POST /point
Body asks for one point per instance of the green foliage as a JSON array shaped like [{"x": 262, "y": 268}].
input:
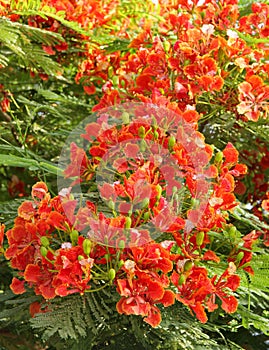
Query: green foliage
[
  {"x": 93, "y": 321},
  {"x": 19, "y": 44},
  {"x": 47, "y": 111}
]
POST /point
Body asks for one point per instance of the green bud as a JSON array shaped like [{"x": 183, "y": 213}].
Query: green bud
[
  {"x": 44, "y": 241},
  {"x": 121, "y": 244},
  {"x": 111, "y": 204},
  {"x": 80, "y": 257},
  {"x": 159, "y": 190},
  {"x": 232, "y": 231},
  {"x": 143, "y": 146},
  {"x": 181, "y": 280},
  {"x": 218, "y": 157},
  {"x": 239, "y": 256},
  {"x": 86, "y": 245},
  {"x": 110, "y": 71},
  {"x": 145, "y": 203},
  {"x": 43, "y": 251},
  {"x": 171, "y": 142},
  {"x": 187, "y": 266},
  {"x": 156, "y": 134},
  {"x": 74, "y": 236},
  {"x": 120, "y": 263},
  {"x": 200, "y": 238},
  {"x": 166, "y": 46},
  {"x": 107, "y": 257},
  {"x": 115, "y": 80},
  {"x": 125, "y": 118},
  {"x": 141, "y": 132},
  {"x": 128, "y": 222},
  {"x": 111, "y": 274},
  {"x": 146, "y": 215}
]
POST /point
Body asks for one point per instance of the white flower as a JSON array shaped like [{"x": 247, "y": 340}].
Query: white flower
[
  {"x": 232, "y": 34},
  {"x": 66, "y": 245},
  {"x": 208, "y": 29}
]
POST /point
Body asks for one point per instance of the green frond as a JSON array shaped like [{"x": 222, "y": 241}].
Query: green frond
[
  {"x": 70, "y": 318},
  {"x": 35, "y": 8},
  {"x": 19, "y": 46}
]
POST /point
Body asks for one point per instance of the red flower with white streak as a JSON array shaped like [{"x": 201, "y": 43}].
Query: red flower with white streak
[
  {"x": 139, "y": 297},
  {"x": 254, "y": 97}
]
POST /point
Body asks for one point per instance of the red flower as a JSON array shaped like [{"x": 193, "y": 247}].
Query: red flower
[
  {"x": 39, "y": 191},
  {"x": 73, "y": 274},
  {"x": 249, "y": 240},
  {"x": 80, "y": 165},
  {"x": 194, "y": 291},
  {"x": 227, "y": 281},
  {"x": 254, "y": 95},
  {"x": 139, "y": 296},
  {"x": 152, "y": 257}
]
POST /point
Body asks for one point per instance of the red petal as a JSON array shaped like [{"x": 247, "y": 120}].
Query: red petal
[
  {"x": 90, "y": 90},
  {"x": 154, "y": 317},
  {"x": 168, "y": 298},
  {"x": 229, "y": 304},
  {"x": 155, "y": 290},
  {"x": 35, "y": 308},
  {"x": 233, "y": 282},
  {"x": 210, "y": 255},
  {"x": 17, "y": 286},
  {"x": 200, "y": 312},
  {"x": 2, "y": 231},
  {"x": 32, "y": 273},
  {"x": 47, "y": 291},
  {"x": 231, "y": 154}
]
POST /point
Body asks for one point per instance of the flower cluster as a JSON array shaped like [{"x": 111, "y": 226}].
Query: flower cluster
[
  {"x": 168, "y": 193},
  {"x": 60, "y": 246}
]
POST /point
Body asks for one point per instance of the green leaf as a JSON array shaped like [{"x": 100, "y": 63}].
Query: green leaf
[{"x": 15, "y": 161}]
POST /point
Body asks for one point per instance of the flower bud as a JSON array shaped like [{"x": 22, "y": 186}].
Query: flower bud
[
  {"x": 125, "y": 118},
  {"x": 232, "y": 231},
  {"x": 181, "y": 280},
  {"x": 218, "y": 157},
  {"x": 239, "y": 256},
  {"x": 86, "y": 245},
  {"x": 110, "y": 71},
  {"x": 111, "y": 274},
  {"x": 44, "y": 241},
  {"x": 120, "y": 263},
  {"x": 146, "y": 215},
  {"x": 187, "y": 266},
  {"x": 171, "y": 142},
  {"x": 166, "y": 46},
  {"x": 121, "y": 244},
  {"x": 141, "y": 132},
  {"x": 74, "y": 236},
  {"x": 145, "y": 203},
  {"x": 143, "y": 146},
  {"x": 128, "y": 222},
  {"x": 200, "y": 238},
  {"x": 159, "y": 190},
  {"x": 115, "y": 80},
  {"x": 111, "y": 204},
  {"x": 43, "y": 251},
  {"x": 80, "y": 257}
]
